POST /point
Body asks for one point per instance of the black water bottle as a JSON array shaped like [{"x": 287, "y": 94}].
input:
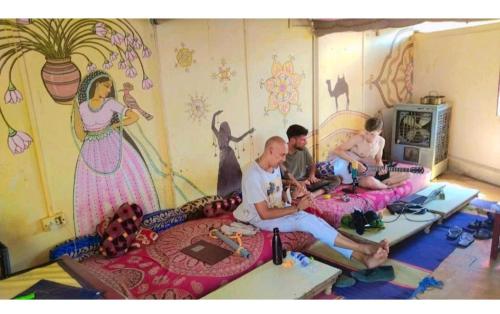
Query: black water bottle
[{"x": 277, "y": 248}]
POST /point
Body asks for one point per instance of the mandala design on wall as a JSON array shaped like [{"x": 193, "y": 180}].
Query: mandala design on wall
[
  {"x": 197, "y": 108},
  {"x": 395, "y": 79},
  {"x": 184, "y": 57},
  {"x": 224, "y": 75},
  {"x": 282, "y": 87}
]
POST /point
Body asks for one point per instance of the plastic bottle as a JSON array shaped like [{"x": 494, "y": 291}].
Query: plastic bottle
[
  {"x": 301, "y": 258},
  {"x": 277, "y": 248}
]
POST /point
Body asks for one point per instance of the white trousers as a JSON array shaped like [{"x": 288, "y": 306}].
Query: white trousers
[{"x": 305, "y": 222}]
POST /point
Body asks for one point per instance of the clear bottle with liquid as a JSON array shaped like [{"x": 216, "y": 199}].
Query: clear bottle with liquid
[{"x": 300, "y": 258}]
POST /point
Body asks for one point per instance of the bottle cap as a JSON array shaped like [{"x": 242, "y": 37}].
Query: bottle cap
[{"x": 276, "y": 230}]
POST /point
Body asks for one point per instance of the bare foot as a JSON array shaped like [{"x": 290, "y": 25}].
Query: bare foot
[
  {"x": 372, "y": 249},
  {"x": 384, "y": 244},
  {"x": 377, "y": 259}
]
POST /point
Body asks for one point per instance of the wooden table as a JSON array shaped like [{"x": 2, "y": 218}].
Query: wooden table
[
  {"x": 397, "y": 228},
  {"x": 270, "y": 281}
]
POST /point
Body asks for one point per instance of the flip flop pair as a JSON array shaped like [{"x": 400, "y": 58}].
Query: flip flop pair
[
  {"x": 344, "y": 281},
  {"x": 465, "y": 239},
  {"x": 381, "y": 273},
  {"x": 454, "y": 232},
  {"x": 483, "y": 234}
]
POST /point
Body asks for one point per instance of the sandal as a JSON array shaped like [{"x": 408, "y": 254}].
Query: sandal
[
  {"x": 344, "y": 281},
  {"x": 381, "y": 273},
  {"x": 476, "y": 224},
  {"x": 465, "y": 239},
  {"x": 482, "y": 234},
  {"x": 454, "y": 232}
]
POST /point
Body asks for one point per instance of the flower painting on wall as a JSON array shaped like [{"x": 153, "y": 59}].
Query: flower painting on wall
[
  {"x": 282, "y": 87},
  {"x": 114, "y": 41}
]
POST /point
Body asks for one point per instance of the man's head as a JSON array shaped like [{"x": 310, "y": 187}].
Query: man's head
[
  {"x": 374, "y": 124},
  {"x": 275, "y": 151},
  {"x": 373, "y": 127},
  {"x": 297, "y": 136}
]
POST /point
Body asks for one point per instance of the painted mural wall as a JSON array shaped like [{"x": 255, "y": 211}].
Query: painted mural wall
[
  {"x": 69, "y": 147},
  {"x": 228, "y": 85},
  {"x": 204, "y": 95},
  {"x": 464, "y": 66},
  {"x": 361, "y": 74}
]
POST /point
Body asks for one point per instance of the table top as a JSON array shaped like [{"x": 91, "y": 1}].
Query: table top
[
  {"x": 397, "y": 227},
  {"x": 455, "y": 198},
  {"x": 270, "y": 281}
]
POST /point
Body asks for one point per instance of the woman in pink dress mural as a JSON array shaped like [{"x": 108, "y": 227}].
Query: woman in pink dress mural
[{"x": 110, "y": 169}]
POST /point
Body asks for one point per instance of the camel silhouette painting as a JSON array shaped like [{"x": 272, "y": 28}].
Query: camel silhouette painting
[{"x": 340, "y": 88}]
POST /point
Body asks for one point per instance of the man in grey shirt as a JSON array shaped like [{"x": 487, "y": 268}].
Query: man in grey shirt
[{"x": 300, "y": 166}]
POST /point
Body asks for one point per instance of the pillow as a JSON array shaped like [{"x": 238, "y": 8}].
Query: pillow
[
  {"x": 144, "y": 237},
  {"x": 194, "y": 209},
  {"x": 120, "y": 231},
  {"x": 325, "y": 168},
  {"x": 79, "y": 248},
  {"x": 163, "y": 219},
  {"x": 221, "y": 207}
]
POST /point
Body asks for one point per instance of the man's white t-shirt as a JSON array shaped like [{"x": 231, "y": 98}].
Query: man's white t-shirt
[{"x": 258, "y": 185}]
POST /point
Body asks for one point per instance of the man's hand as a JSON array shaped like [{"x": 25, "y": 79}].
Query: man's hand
[
  {"x": 312, "y": 179},
  {"x": 300, "y": 191},
  {"x": 361, "y": 167},
  {"x": 383, "y": 168},
  {"x": 305, "y": 202}
]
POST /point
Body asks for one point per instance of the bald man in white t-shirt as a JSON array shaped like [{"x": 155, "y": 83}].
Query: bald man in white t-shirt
[{"x": 266, "y": 206}]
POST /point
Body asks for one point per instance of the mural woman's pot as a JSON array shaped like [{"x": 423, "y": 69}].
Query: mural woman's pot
[{"x": 61, "y": 78}]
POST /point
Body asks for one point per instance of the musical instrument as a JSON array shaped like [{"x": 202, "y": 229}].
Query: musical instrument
[{"x": 343, "y": 168}]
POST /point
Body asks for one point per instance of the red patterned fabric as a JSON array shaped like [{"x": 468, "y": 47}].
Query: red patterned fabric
[
  {"x": 161, "y": 271},
  {"x": 144, "y": 237},
  {"x": 332, "y": 209},
  {"x": 222, "y": 207},
  {"x": 121, "y": 231}
]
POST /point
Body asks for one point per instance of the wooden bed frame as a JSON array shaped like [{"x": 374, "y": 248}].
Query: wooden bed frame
[{"x": 87, "y": 279}]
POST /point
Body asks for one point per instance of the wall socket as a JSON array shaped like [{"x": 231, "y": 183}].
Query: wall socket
[{"x": 51, "y": 222}]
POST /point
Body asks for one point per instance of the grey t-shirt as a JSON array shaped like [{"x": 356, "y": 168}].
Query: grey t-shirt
[
  {"x": 298, "y": 164},
  {"x": 258, "y": 185}
]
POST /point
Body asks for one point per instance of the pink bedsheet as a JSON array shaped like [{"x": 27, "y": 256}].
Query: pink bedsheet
[
  {"x": 161, "y": 271},
  {"x": 334, "y": 208}
]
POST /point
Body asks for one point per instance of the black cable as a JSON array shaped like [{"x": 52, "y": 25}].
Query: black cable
[{"x": 426, "y": 220}]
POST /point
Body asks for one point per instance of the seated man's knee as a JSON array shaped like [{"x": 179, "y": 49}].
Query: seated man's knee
[{"x": 372, "y": 184}]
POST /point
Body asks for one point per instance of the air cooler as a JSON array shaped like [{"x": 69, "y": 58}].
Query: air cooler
[{"x": 420, "y": 136}]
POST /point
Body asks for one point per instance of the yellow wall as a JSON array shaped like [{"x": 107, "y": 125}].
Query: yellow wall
[
  {"x": 248, "y": 47},
  {"x": 178, "y": 146},
  {"x": 372, "y": 63},
  {"x": 40, "y": 181},
  {"x": 464, "y": 66}
]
